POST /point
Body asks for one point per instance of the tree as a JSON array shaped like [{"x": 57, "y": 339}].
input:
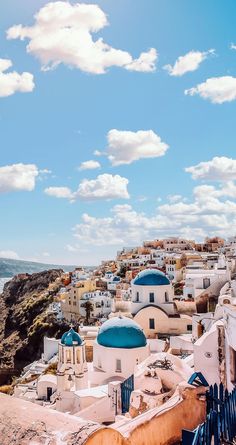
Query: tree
[
  {"x": 88, "y": 309},
  {"x": 122, "y": 271}
]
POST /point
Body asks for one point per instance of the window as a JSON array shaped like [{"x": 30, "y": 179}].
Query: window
[
  {"x": 137, "y": 296},
  {"x": 151, "y": 297},
  {"x": 206, "y": 283},
  {"x": 49, "y": 392},
  {"x": 189, "y": 327},
  {"x": 118, "y": 365},
  {"x": 166, "y": 297},
  {"x": 211, "y": 304},
  {"x": 151, "y": 323}
]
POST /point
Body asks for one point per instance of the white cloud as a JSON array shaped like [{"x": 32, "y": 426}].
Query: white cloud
[
  {"x": 9, "y": 254},
  {"x": 174, "y": 198},
  {"x": 228, "y": 189},
  {"x": 89, "y": 165},
  {"x": 18, "y": 177},
  {"x": 63, "y": 33},
  {"x": 189, "y": 62},
  {"x": 210, "y": 212},
  {"x": 105, "y": 186},
  {"x": 125, "y": 147},
  {"x": 146, "y": 62},
  {"x": 217, "y": 89},
  {"x": 98, "y": 153},
  {"x": 217, "y": 169},
  {"x": 60, "y": 192},
  {"x": 232, "y": 46},
  {"x": 123, "y": 226},
  {"x": 11, "y": 82}
]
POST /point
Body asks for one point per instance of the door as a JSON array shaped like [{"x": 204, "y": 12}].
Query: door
[{"x": 49, "y": 392}]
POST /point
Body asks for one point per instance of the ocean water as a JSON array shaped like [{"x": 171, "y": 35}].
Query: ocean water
[{"x": 2, "y": 282}]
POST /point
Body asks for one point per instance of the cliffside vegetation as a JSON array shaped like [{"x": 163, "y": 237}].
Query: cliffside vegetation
[{"x": 24, "y": 320}]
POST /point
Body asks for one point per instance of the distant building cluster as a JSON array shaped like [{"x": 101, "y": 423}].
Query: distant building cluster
[{"x": 142, "y": 326}]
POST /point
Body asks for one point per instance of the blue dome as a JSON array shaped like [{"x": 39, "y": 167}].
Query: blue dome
[
  {"x": 121, "y": 332},
  {"x": 151, "y": 277},
  {"x": 71, "y": 338}
]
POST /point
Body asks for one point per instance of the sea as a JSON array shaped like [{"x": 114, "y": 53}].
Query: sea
[{"x": 2, "y": 282}]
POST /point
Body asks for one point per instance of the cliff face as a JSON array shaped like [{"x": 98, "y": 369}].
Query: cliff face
[{"x": 24, "y": 320}]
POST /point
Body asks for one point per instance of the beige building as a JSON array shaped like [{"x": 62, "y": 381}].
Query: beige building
[
  {"x": 70, "y": 306},
  {"x": 157, "y": 323},
  {"x": 154, "y": 308}
]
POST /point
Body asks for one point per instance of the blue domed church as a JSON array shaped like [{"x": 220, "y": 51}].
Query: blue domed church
[
  {"x": 121, "y": 344},
  {"x": 153, "y": 306},
  {"x": 72, "y": 370}
]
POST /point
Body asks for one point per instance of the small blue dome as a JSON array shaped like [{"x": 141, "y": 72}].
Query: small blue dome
[
  {"x": 151, "y": 277},
  {"x": 71, "y": 338},
  {"x": 121, "y": 332}
]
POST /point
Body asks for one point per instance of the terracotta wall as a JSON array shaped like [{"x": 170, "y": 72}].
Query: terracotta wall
[{"x": 163, "y": 429}]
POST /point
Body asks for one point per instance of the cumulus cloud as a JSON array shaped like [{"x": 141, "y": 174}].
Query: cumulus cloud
[
  {"x": 17, "y": 177},
  {"x": 12, "y": 82},
  {"x": 232, "y": 46},
  {"x": 10, "y": 254},
  {"x": 124, "y": 225},
  {"x": 217, "y": 169},
  {"x": 217, "y": 89},
  {"x": 125, "y": 147},
  {"x": 63, "y": 33},
  {"x": 89, "y": 165},
  {"x": 174, "y": 198},
  {"x": 189, "y": 62},
  {"x": 212, "y": 211},
  {"x": 105, "y": 187},
  {"x": 60, "y": 192},
  {"x": 146, "y": 62}
]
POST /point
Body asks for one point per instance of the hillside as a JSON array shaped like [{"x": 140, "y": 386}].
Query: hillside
[
  {"x": 24, "y": 320},
  {"x": 10, "y": 268}
]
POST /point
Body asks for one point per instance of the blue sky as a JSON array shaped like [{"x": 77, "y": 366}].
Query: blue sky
[{"x": 55, "y": 118}]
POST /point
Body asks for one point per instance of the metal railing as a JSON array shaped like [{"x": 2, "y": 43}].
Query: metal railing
[{"x": 220, "y": 423}]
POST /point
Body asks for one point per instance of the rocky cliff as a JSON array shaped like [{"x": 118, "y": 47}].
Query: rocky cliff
[{"x": 24, "y": 320}]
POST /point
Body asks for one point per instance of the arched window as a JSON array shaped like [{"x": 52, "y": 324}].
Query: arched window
[
  {"x": 118, "y": 365},
  {"x": 68, "y": 356},
  {"x": 166, "y": 297}
]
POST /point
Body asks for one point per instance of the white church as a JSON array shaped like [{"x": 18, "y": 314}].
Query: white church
[
  {"x": 153, "y": 306},
  {"x": 120, "y": 347}
]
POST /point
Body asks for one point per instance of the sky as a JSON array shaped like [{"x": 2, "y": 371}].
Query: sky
[{"x": 117, "y": 125}]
